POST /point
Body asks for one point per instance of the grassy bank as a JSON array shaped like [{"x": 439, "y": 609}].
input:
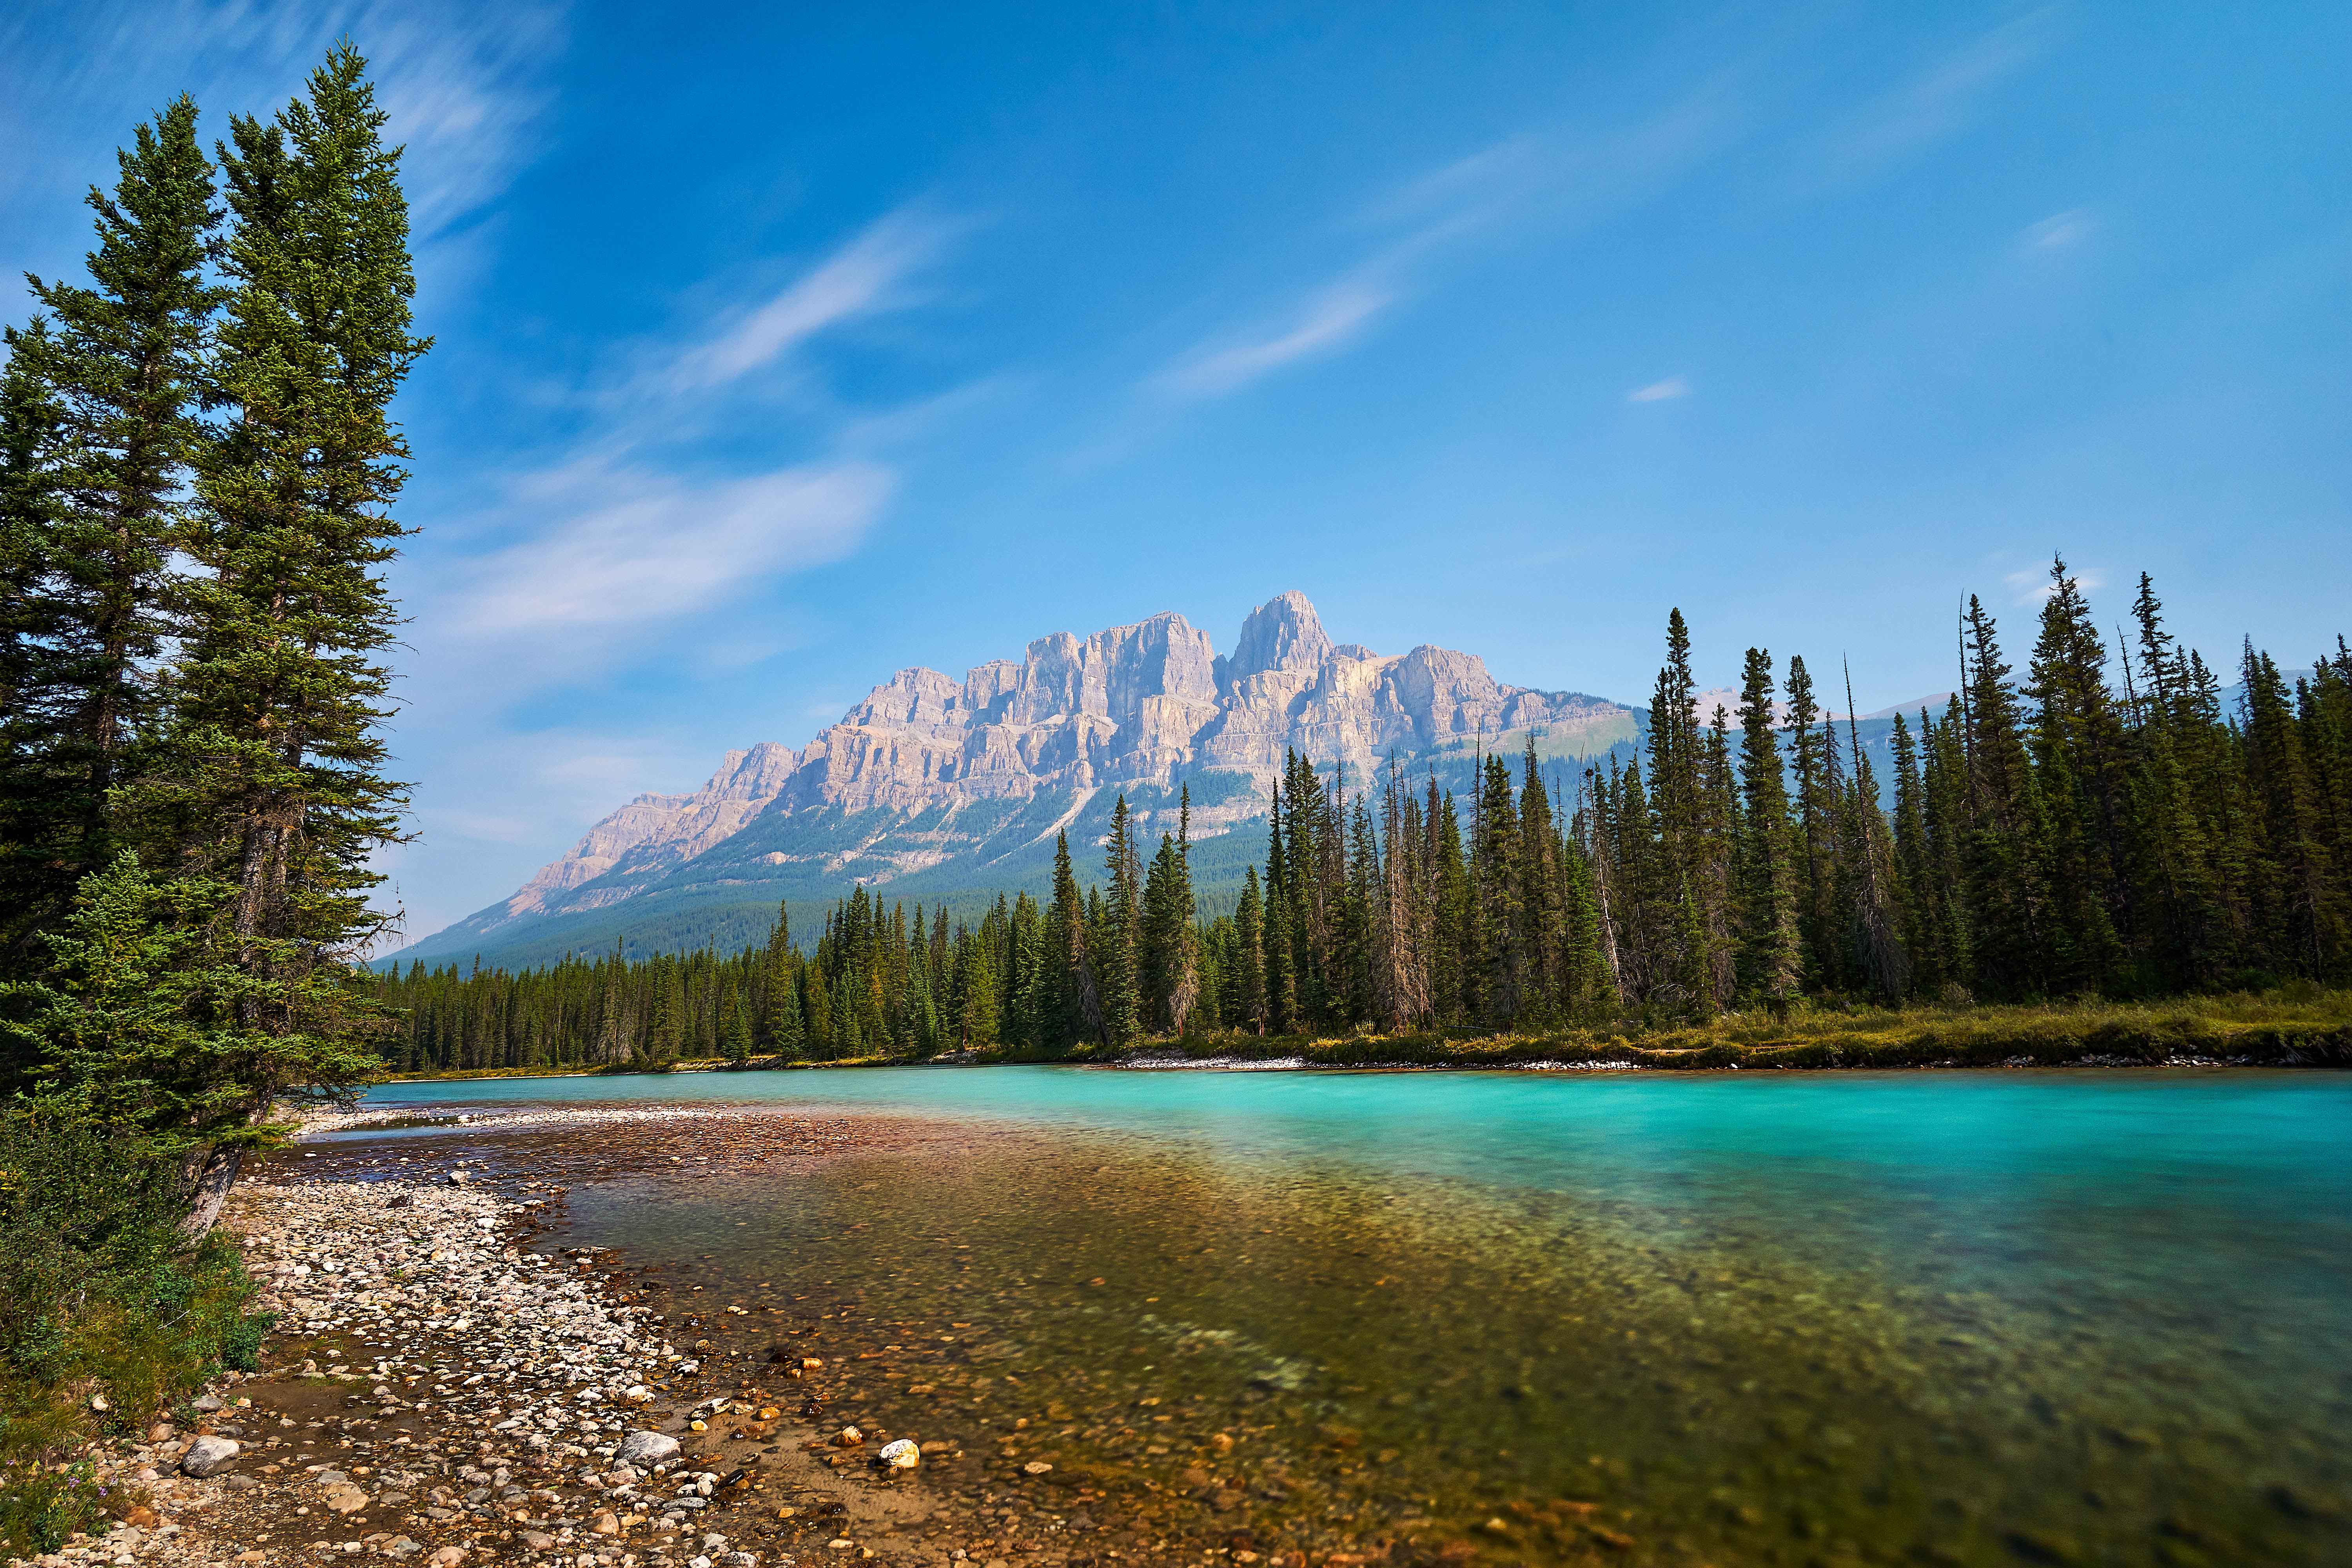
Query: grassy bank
[
  {"x": 109, "y": 1318},
  {"x": 2317, "y": 1031},
  {"x": 2303, "y": 1027}
]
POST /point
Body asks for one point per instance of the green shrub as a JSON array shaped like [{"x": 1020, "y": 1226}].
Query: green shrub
[
  {"x": 41, "y": 1506},
  {"x": 100, "y": 1294}
]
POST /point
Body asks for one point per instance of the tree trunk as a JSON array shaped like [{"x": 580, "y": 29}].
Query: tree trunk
[{"x": 214, "y": 1177}]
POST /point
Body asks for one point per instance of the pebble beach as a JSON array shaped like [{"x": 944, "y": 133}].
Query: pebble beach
[{"x": 434, "y": 1391}]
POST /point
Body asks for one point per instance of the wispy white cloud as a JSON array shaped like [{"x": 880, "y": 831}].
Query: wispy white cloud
[
  {"x": 1938, "y": 101},
  {"x": 1329, "y": 319},
  {"x": 643, "y": 547},
  {"x": 1469, "y": 185},
  {"x": 867, "y": 276},
  {"x": 2060, "y": 230},
  {"x": 1563, "y": 179},
  {"x": 628, "y": 533},
  {"x": 2032, "y": 585},
  {"x": 1660, "y": 391},
  {"x": 466, "y": 87}
]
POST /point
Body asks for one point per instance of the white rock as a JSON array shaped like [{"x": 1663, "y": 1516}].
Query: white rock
[
  {"x": 208, "y": 1454},
  {"x": 645, "y": 1447},
  {"x": 902, "y": 1455}
]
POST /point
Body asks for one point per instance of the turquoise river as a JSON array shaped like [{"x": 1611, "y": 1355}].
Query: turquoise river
[{"x": 2080, "y": 1316}]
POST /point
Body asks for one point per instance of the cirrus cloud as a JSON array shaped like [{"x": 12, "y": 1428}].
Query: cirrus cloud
[
  {"x": 642, "y": 547},
  {"x": 1660, "y": 391}
]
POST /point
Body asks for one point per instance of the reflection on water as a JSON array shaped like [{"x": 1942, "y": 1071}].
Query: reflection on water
[{"x": 1836, "y": 1328}]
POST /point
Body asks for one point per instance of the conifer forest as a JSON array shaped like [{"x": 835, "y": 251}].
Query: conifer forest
[{"x": 2106, "y": 822}]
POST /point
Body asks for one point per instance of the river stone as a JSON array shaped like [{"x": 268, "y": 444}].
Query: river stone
[
  {"x": 646, "y": 1448},
  {"x": 208, "y": 1454},
  {"x": 901, "y": 1455}
]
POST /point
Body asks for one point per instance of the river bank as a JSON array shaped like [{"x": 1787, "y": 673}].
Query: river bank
[
  {"x": 435, "y": 1391},
  {"x": 2231, "y": 1031}
]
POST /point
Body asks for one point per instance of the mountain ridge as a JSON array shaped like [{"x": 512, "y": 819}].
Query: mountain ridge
[{"x": 927, "y": 775}]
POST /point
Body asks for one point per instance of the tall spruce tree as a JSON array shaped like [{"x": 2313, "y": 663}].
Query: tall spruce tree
[
  {"x": 101, "y": 422},
  {"x": 1250, "y": 992},
  {"x": 2007, "y": 833},
  {"x": 1072, "y": 1007},
  {"x": 782, "y": 1028},
  {"x": 1281, "y": 986},
  {"x": 2298, "y": 908},
  {"x": 1117, "y": 951},
  {"x": 1812, "y": 758},
  {"x": 280, "y": 692},
  {"x": 734, "y": 1023},
  {"x": 2078, "y": 744},
  {"x": 1771, "y": 963}
]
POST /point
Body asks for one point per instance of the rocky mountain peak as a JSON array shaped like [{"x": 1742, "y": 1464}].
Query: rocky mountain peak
[{"x": 1283, "y": 636}]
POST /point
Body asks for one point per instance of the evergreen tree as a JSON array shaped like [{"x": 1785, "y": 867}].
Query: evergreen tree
[
  {"x": 666, "y": 1018},
  {"x": 2006, "y": 836},
  {"x": 976, "y": 1018},
  {"x": 1771, "y": 963},
  {"x": 2186, "y": 927},
  {"x": 1352, "y": 933},
  {"x": 734, "y": 1024},
  {"x": 1117, "y": 955},
  {"x": 1812, "y": 755},
  {"x": 1281, "y": 988},
  {"x": 782, "y": 1026},
  {"x": 134, "y": 1020},
  {"x": 1066, "y": 980},
  {"x": 1171, "y": 966},
  {"x": 280, "y": 693},
  {"x": 1499, "y": 940},
  {"x": 2298, "y": 909},
  {"x": 102, "y": 423},
  {"x": 2077, "y": 743},
  {"x": 1871, "y": 890},
  {"x": 1914, "y": 868},
  {"x": 1401, "y": 911},
  {"x": 1455, "y": 996},
  {"x": 1252, "y": 1002},
  {"x": 816, "y": 1011}
]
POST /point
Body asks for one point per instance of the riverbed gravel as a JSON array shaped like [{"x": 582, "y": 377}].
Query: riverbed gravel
[{"x": 436, "y": 1393}]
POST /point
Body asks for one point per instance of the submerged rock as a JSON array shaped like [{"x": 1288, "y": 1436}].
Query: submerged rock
[{"x": 902, "y": 1455}]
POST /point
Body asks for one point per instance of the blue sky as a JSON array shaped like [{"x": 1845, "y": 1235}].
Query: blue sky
[{"x": 780, "y": 346}]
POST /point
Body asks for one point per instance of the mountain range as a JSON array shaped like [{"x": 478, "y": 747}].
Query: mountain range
[{"x": 939, "y": 789}]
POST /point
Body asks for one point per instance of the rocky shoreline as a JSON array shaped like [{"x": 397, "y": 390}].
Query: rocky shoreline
[{"x": 435, "y": 1393}]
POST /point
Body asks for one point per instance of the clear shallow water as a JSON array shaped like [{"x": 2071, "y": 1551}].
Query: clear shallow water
[{"x": 1970, "y": 1318}]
